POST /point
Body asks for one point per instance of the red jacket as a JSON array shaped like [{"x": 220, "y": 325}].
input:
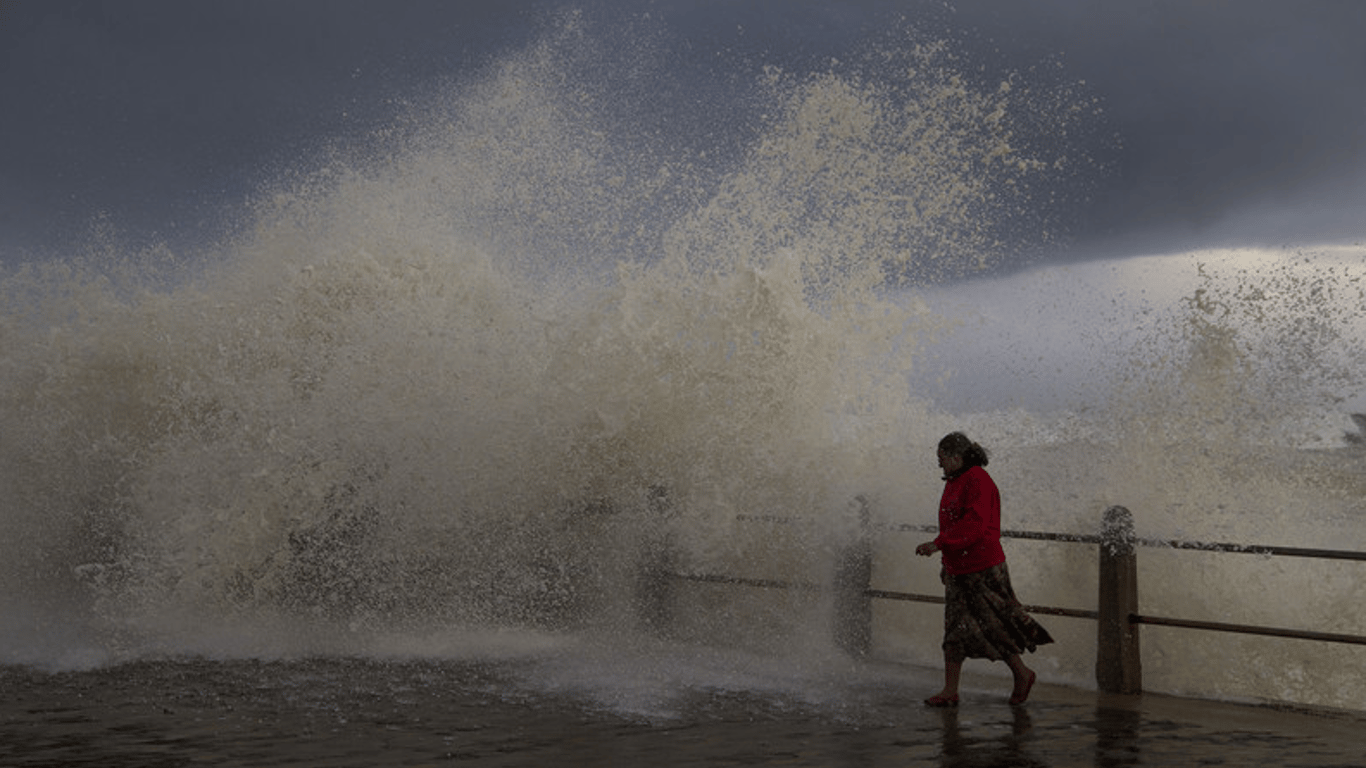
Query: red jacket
[{"x": 970, "y": 523}]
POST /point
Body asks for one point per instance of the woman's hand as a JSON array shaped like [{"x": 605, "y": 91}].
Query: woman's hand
[{"x": 926, "y": 549}]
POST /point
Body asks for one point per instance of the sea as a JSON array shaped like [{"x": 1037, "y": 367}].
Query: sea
[{"x": 461, "y": 398}]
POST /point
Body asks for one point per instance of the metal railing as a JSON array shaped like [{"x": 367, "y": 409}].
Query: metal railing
[{"x": 1118, "y": 666}]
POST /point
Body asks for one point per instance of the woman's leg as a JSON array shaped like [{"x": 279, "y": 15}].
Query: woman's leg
[
  {"x": 1024, "y": 679},
  {"x": 949, "y": 695},
  {"x": 953, "y": 670}
]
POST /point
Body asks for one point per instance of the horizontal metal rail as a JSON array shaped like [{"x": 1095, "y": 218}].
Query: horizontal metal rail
[
  {"x": 939, "y": 599},
  {"x": 713, "y": 578},
  {"x": 1254, "y": 549},
  {"x": 1204, "y": 546},
  {"x": 1081, "y": 538},
  {"x": 1247, "y": 629},
  {"x": 1073, "y": 612}
]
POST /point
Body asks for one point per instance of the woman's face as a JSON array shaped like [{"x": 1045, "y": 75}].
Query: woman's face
[{"x": 950, "y": 463}]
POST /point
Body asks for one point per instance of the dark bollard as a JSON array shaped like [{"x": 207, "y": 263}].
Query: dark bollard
[
  {"x": 853, "y": 577},
  {"x": 1118, "y": 664},
  {"x": 657, "y": 567}
]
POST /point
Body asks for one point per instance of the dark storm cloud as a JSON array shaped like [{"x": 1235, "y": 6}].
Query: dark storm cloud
[
  {"x": 155, "y": 112},
  {"x": 1237, "y": 121},
  {"x": 1221, "y": 107}
]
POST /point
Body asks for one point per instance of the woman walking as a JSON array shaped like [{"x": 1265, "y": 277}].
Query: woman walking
[{"x": 982, "y": 617}]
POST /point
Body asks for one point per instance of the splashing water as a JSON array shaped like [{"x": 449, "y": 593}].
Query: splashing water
[{"x": 469, "y": 377}]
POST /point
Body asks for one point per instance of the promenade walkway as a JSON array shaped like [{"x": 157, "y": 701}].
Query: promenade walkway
[{"x": 348, "y": 712}]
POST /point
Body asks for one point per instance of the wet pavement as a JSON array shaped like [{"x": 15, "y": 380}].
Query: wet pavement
[{"x": 362, "y": 713}]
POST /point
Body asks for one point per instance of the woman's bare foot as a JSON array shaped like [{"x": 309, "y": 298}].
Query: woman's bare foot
[
  {"x": 942, "y": 699},
  {"x": 1023, "y": 685}
]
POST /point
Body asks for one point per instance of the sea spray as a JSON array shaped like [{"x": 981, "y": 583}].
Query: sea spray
[{"x": 443, "y": 382}]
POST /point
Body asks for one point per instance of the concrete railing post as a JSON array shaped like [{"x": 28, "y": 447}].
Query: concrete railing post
[
  {"x": 853, "y": 577},
  {"x": 1118, "y": 666}
]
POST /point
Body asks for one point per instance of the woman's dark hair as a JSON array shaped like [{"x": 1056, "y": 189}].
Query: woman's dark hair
[{"x": 958, "y": 444}]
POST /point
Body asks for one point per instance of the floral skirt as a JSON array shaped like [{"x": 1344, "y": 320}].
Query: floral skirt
[{"x": 984, "y": 620}]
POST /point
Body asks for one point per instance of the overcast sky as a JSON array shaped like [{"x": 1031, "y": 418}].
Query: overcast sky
[{"x": 1239, "y": 121}]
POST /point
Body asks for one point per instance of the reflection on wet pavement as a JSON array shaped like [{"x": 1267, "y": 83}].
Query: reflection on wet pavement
[{"x": 339, "y": 712}]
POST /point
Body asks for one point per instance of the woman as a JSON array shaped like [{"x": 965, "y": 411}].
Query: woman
[{"x": 982, "y": 617}]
